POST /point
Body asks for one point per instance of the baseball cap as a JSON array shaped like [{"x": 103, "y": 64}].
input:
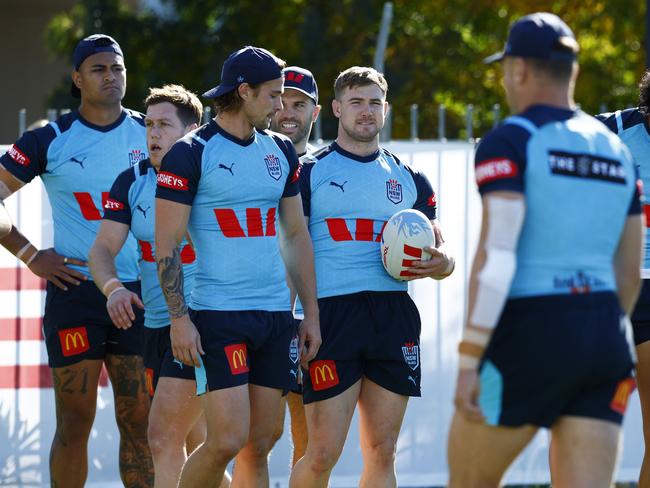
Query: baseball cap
[
  {"x": 97, "y": 43},
  {"x": 302, "y": 80},
  {"x": 540, "y": 35},
  {"x": 250, "y": 65}
]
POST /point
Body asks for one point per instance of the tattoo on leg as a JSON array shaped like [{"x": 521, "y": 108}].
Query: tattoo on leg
[
  {"x": 170, "y": 273},
  {"x": 131, "y": 410}
]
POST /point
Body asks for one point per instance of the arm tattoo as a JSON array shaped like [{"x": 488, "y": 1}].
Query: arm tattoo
[{"x": 170, "y": 274}]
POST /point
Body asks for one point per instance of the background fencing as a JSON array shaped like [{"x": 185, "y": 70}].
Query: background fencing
[{"x": 27, "y": 401}]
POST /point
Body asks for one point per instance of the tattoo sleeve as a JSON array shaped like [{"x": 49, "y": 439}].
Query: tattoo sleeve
[{"x": 170, "y": 274}]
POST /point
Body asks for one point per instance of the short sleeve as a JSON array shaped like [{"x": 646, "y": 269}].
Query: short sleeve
[
  {"x": 497, "y": 163},
  {"x": 638, "y": 199},
  {"x": 117, "y": 207},
  {"x": 305, "y": 185},
  {"x": 27, "y": 157},
  {"x": 425, "y": 201},
  {"x": 178, "y": 178}
]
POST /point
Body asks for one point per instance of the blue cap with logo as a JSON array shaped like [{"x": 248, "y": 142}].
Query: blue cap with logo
[
  {"x": 97, "y": 43},
  {"x": 250, "y": 65},
  {"x": 542, "y": 36},
  {"x": 302, "y": 80}
]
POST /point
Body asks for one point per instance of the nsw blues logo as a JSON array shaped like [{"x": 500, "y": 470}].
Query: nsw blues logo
[
  {"x": 274, "y": 166},
  {"x": 411, "y": 352},
  {"x": 394, "y": 191},
  {"x": 293, "y": 350},
  {"x": 135, "y": 156}
]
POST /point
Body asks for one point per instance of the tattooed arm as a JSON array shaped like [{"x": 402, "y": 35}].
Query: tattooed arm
[{"x": 171, "y": 226}]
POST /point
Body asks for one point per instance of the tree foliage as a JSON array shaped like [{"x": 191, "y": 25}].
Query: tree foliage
[{"x": 434, "y": 54}]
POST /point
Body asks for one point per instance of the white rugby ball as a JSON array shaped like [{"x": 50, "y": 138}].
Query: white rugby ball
[{"x": 404, "y": 236}]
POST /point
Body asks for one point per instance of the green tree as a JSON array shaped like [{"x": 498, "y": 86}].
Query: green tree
[{"x": 434, "y": 55}]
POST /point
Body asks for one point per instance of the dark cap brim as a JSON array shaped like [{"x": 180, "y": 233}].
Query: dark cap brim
[
  {"x": 217, "y": 91},
  {"x": 74, "y": 91},
  {"x": 311, "y": 96},
  {"x": 494, "y": 58}
]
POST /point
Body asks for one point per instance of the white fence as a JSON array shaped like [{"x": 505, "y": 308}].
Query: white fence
[{"x": 27, "y": 413}]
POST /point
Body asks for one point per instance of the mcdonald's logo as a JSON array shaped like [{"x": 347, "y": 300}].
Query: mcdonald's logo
[
  {"x": 323, "y": 374},
  {"x": 74, "y": 341},
  {"x": 149, "y": 378},
  {"x": 622, "y": 395},
  {"x": 237, "y": 358}
]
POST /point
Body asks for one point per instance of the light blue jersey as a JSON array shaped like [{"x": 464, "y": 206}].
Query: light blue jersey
[
  {"x": 348, "y": 200},
  {"x": 579, "y": 184},
  {"x": 78, "y": 162},
  {"x": 234, "y": 188},
  {"x": 632, "y": 127},
  {"x": 132, "y": 202}
]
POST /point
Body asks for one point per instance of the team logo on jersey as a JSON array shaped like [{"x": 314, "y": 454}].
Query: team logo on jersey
[
  {"x": 135, "y": 156},
  {"x": 495, "y": 169},
  {"x": 112, "y": 204},
  {"x": 293, "y": 350},
  {"x": 273, "y": 165},
  {"x": 411, "y": 352},
  {"x": 394, "y": 191},
  {"x": 586, "y": 166},
  {"x": 18, "y": 156},
  {"x": 170, "y": 180}
]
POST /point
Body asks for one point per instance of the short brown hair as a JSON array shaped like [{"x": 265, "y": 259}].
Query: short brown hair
[
  {"x": 188, "y": 106},
  {"x": 359, "y": 76}
]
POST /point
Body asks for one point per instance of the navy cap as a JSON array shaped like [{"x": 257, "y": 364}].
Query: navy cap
[
  {"x": 97, "y": 43},
  {"x": 302, "y": 80},
  {"x": 542, "y": 36},
  {"x": 250, "y": 65}
]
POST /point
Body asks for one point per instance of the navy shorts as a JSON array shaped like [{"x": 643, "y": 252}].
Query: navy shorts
[
  {"x": 77, "y": 326},
  {"x": 641, "y": 315},
  {"x": 373, "y": 334},
  {"x": 245, "y": 347},
  {"x": 159, "y": 360},
  {"x": 557, "y": 355}
]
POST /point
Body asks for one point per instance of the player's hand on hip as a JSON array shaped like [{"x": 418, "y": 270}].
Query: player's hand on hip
[
  {"x": 120, "y": 307},
  {"x": 309, "y": 340},
  {"x": 48, "y": 264},
  {"x": 186, "y": 341},
  {"x": 466, "y": 397},
  {"x": 438, "y": 267}
]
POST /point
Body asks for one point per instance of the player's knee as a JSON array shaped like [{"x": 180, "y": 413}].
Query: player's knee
[
  {"x": 467, "y": 477},
  {"x": 224, "y": 448},
  {"x": 163, "y": 440},
  {"x": 132, "y": 415},
  {"x": 323, "y": 458},
  {"x": 76, "y": 420},
  {"x": 382, "y": 453}
]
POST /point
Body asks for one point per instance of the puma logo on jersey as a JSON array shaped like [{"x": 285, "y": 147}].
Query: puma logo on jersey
[
  {"x": 223, "y": 166},
  {"x": 143, "y": 210},
  {"x": 80, "y": 162},
  {"x": 334, "y": 183},
  {"x": 412, "y": 379}
]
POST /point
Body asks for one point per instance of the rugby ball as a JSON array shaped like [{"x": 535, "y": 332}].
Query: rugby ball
[{"x": 402, "y": 240}]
